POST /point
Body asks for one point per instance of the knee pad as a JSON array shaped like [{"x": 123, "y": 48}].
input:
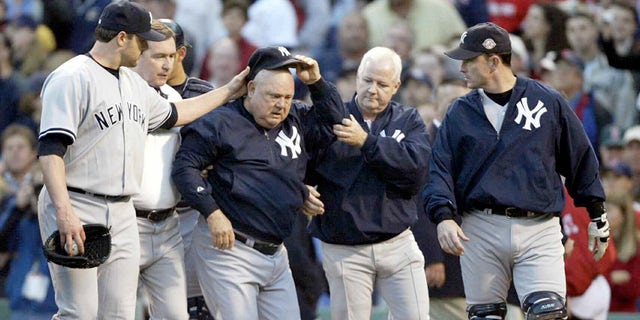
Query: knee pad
[
  {"x": 495, "y": 311},
  {"x": 198, "y": 309},
  {"x": 544, "y": 305}
]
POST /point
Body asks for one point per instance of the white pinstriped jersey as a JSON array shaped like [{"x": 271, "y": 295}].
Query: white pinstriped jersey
[{"x": 107, "y": 119}]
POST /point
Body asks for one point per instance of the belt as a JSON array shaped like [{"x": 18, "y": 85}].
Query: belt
[
  {"x": 263, "y": 247},
  {"x": 155, "y": 215},
  {"x": 98, "y": 195},
  {"x": 511, "y": 212}
]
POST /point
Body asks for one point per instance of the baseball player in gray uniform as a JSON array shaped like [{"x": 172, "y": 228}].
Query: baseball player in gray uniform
[
  {"x": 95, "y": 118},
  {"x": 497, "y": 162},
  {"x": 162, "y": 272}
]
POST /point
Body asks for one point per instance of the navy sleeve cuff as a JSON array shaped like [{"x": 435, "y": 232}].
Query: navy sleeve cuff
[
  {"x": 53, "y": 144},
  {"x": 173, "y": 118},
  {"x": 368, "y": 144},
  {"x": 207, "y": 208},
  {"x": 440, "y": 214},
  {"x": 318, "y": 88},
  {"x": 596, "y": 209}
]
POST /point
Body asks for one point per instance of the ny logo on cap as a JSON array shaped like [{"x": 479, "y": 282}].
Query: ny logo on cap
[
  {"x": 150, "y": 18},
  {"x": 284, "y": 51},
  {"x": 464, "y": 35}
]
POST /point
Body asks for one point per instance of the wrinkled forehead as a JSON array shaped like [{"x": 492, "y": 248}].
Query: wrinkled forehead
[{"x": 279, "y": 78}]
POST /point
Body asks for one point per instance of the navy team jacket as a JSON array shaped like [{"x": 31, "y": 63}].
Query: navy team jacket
[
  {"x": 541, "y": 138},
  {"x": 258, "y": 177},
  {"x": 369, "y": 193}
]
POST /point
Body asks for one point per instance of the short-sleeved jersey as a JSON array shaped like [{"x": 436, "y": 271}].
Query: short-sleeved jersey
[{"x": 107, "y": 119}]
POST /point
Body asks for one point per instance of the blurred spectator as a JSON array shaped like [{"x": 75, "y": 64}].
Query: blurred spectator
[
  {"x": 623, "y": 27},
  {"x": 625, "y": 275},
  {"x": 85, "y": 15},
  {"x": 472, "y": 12},
  {"x": 353, "y": 36},
  {"x": 313, "y": 23},
  {"x": 339, "y": 10},
  {"x": 31, "y": 103},
  {"x": 10, "y": 84},
  {"x": 564, "y": 73},
  {"x": 272, "y": 23},
  {"x": 18, "y": 157},
  {"x": 417, "y": 91},
  {"x": 588, "y": 292},
  {"x": 445, "y": 94},
  {"x": 400, "y": 39},
  {"x": 224, "y": 62},
  {"x": 234, "y": 17},
  {"x": 624, "y": 24},
  {"x": 631, "y": 140},
  {"x": 519, "y": 57},
  {"x": 617, "y": 180},
  {"x": 613, "y": 89},
  {"x": 543, "y": 30},
  {"x": 73, "y": 22},
  {"x": 17, "y": 8},
  {"x": 440, "y": 18},
  {"x": 160, "y": 9},
  {"x": 28, "y": 284},
  {"x": 201, "y": 20},
  {"x": 508, "y": 13},
  {"x": 611, "y": 145},
  {"x": 29, "y": 51},
  {"x": 346, "y": 83},
  {"x": 431, "y": 64}
]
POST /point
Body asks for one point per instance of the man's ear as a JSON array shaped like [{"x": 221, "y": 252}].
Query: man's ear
[
  {"x": 181, "y": 53},
  {"x": 251, "y": 88},
  {"x": 495, "y": 62},
  {"x": 121, "y": 37}
]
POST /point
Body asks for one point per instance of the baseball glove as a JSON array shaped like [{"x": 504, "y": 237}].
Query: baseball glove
[{"x": 97, "y": 248}]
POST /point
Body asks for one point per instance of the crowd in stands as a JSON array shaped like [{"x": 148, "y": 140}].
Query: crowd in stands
[{"x": 588, "y": 50}]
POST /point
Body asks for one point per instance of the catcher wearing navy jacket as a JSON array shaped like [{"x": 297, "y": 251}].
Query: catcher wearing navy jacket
[
  {"x": 369, "y": 180},
  {"x": 497, "y": 161},
  {"x": 258, "y": 145}
]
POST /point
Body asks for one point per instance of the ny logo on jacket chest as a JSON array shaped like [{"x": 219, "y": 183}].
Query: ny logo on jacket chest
[
  {"x": 532, "y": 116},
  {"x": 289, "y": 143}
]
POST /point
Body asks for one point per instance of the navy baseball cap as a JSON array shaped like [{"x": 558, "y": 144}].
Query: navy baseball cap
[
  {"x": 177, "y": 31},
  {"x": 131, "y": 18},
  {"x": 619, "y": 168},
  {"x": 611, "y": 136},
  {"x": 486, "y": 37},
  {"x": 270, "y": 58},
  {"x": 419, "y": 76}
]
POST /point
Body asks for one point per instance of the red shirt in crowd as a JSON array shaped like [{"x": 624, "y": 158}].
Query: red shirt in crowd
[{"x": 580, "y": 266}]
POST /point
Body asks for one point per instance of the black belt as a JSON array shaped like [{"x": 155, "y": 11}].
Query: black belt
[
  {"x": 263, "y": 247},
  {"x": 98, "y": 195},
  {"x": 155, "y": 215},
  {"x": 511, "y": 212}
]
